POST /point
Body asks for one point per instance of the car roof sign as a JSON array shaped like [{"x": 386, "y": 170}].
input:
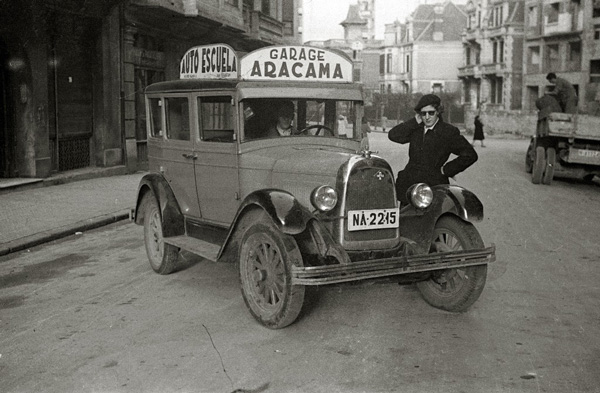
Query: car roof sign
[
  {"x": 218, "y": 61},
  {"x": 296, "y": 63}
]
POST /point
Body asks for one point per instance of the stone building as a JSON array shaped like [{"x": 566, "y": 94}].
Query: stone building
[
  {"x": 423, "y": 55},
  {"x": 73, "y": 72},
  {"x": 562, "y": 37},
  {"x": 493, "y": 54},
  {"x": 511, "y": 45}
]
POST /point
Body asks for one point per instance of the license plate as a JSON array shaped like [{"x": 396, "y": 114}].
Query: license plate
[
  {"x": 360, "y": 220},
  {"x": 583, "y": 156}
]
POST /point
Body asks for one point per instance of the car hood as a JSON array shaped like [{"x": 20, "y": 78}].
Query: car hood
[
  {"x": 297, "y": 169},
  {"x": 322, "y": 161}
]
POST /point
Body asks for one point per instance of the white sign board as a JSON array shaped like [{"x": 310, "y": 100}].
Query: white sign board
[
  {"x": 296, "y": 63},
  {"x": 217, "y": 61}
]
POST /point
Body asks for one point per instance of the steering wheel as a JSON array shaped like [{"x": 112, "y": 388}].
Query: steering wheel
[{"x": 318, "y": 127}]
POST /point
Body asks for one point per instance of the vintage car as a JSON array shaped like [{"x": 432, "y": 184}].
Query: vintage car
[{"x": 315, "y": 207}]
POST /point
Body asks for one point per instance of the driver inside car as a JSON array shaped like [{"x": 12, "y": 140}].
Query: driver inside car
[{"x": 283, "y": 125}]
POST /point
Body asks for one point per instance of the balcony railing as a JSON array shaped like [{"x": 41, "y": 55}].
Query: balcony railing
[
  {"x": 495, "y": 68},
  {"x": 465, "y": 71},
  {"x": 566, "y": 23}
]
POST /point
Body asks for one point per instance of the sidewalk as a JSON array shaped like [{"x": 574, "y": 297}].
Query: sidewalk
[{"x": 36, "y": 211}]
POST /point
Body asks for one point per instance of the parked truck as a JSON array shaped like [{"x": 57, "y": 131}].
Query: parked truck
[{"x": 564, "y": 145}]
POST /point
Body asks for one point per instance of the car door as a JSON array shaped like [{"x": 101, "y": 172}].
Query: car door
[
  {"x": 176, "y": 157},
  {"x": 216, "y": 165}
]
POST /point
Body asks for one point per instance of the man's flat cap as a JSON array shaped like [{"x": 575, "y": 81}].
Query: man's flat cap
[{"x": 426, "y": 100}]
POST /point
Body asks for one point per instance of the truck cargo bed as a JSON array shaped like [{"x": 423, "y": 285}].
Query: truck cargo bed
[{"x": 568, "y": 125}]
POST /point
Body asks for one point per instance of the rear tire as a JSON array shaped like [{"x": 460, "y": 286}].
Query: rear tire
[
  {"x": 265, "y": 269},
  {"x": 550, "y": 164},
  {"x": 454, "y": 290},
  {"x": 529, "y": 158},
  {"x": 162, "y": 256},
  {"x": 539, "y": 165}
]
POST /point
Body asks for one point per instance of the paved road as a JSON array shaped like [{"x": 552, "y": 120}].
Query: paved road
[{"x": 86, "y": 314}]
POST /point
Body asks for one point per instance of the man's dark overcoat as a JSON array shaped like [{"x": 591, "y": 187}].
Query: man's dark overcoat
[{"x": 428, "y": 154}]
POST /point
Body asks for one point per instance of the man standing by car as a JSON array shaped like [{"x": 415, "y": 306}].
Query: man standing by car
[{"x": 431, "y": 141}]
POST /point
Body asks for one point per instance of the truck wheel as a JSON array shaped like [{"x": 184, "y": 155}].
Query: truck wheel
[
  {"x": 529, "y": 158},
  {"x": 163, "y": 257},
  {"x": 265, "y": 267},
  {"x": 456, "y": 289},
  {"x": 550, "y": 163},
  {"x": 539, "y": 165}
]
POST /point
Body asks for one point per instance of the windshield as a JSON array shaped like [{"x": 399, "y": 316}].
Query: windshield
[{"x": 274, "y": 118}]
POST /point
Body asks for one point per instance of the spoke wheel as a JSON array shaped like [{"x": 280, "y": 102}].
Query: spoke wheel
[
  {"x": 550, "y": 163},
  {"x": 456, "y": 289},
  {"x": 162, "y": 257},
  {"x": 539, "y": 165},
  {"x": 266, "y": 259}
]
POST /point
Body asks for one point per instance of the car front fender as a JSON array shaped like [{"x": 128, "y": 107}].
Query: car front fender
[
  {"x": 289, "y": 215},
  {"x": 418, "y": 224}
]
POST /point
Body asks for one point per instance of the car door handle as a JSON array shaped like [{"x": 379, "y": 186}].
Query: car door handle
[{"x": 192, "y": 156}]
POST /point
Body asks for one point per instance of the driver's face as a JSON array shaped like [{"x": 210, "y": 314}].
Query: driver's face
[{"x": 285, "y": 121}]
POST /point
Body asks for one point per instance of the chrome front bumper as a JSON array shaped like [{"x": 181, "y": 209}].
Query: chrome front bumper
[{"x": 331, "y": 274}]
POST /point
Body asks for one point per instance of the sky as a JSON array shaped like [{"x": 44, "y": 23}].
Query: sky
[{"x": 322, "y": 18}]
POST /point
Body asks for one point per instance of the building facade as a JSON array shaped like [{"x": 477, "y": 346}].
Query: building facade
[
  {"x": 493, "y": 55},
  {"x": 511, "y": 45},
  {"x": 423, "y": 55},
  {"x": 563, "y": 37},
  {"x": 73, "y": 72}
]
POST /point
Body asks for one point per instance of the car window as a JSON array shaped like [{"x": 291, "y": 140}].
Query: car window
[
  {"x": 215, "y": 118},
  {"x": 313, "y": 118},
  {"x": 156, "y": 130},
  {"x": 178, "y": 119}
]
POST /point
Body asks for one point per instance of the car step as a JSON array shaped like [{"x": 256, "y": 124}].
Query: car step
[{"x": 200, "y": 247}]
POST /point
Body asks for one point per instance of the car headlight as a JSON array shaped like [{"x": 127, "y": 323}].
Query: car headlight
[
  {"x": 324, "y": 198},
  {"x": 420, "y": 195}
]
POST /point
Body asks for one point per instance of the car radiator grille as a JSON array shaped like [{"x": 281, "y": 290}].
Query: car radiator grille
[{"x": 368, "y": 189}]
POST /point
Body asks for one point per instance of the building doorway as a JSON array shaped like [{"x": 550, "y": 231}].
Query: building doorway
[
  {"x": 6, "y": 118},
  {"x": 73, "y": 63}
]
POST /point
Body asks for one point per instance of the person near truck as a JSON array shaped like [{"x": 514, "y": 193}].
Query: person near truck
[
  {"x": 431, "y": 141},
  {"x": 546, "y": 104},
  {"x": 565, "y": 93}
]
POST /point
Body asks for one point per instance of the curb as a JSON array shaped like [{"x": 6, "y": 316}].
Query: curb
[{"x": 64, "y": 231}]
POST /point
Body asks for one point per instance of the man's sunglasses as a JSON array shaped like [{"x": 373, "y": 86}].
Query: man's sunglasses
[{"x": 430, "y": 113}]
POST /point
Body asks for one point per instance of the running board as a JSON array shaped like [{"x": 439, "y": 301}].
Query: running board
[
  {"x": 200, "y": 247},
  {"x": 331, "y": 274}
]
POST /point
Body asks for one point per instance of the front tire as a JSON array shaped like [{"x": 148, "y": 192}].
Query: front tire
[
  {"x": 265, "y": 268},
  {"x": 162, "y": 256},
  {"x": 454, "y": 290}
]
